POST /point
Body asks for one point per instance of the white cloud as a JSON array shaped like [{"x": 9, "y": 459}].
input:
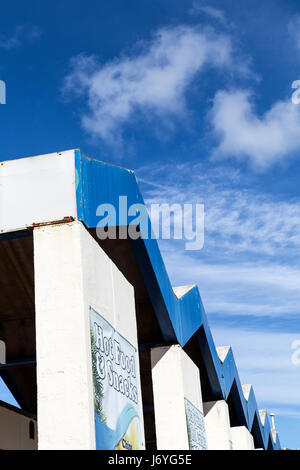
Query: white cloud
[
  {"x": 210, "y": 11},
  {"x": 153, "y": 82},
  {"x": 244, "y": 134}
]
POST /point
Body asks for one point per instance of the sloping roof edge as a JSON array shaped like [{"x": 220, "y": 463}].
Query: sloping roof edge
[{"x": 180, "y": 316}]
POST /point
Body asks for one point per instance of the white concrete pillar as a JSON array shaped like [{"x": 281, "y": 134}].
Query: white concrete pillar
[
  {"x": 217, "y": 425},
  {"x": 179, "y": 421},
  {"x": 74, "y": 277},
  {"x": 274, "y": 435},
  {"x": 242, "y": 439}
]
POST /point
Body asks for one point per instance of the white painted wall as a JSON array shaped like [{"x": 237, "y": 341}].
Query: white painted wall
[
  {"x": 217, "y": 425},
  {"x": 174, "y": 377},
  {"x": 242, "y": 439},
  {"x": 73, "y": 273},
  {"x": 14, "y": 431},
  {"x": 46, "y": 190}
]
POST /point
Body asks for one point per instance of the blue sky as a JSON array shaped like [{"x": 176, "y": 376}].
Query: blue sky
[{"x": 196, "y": 97}]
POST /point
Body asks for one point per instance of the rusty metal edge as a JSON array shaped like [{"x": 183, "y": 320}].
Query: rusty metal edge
[{"x": 53, "y": 222}]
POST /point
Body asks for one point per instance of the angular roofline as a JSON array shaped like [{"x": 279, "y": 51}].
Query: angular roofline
[{"x": 180, "y": 316}]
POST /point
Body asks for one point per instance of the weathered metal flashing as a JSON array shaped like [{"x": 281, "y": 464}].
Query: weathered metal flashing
[{"x": 65, "y": 220}]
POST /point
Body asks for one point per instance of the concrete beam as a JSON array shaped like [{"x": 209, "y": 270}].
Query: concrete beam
[
  {"x": 178, "y": 407},
  {"x": 217, "y": 425},
  {"x": 241, "y": 438}
]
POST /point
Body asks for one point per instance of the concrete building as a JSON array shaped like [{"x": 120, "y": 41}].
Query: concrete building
[{"x": 96, "y": 346}]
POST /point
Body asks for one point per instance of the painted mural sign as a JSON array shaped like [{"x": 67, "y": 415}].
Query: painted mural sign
[
  {"x": 195, "y": 426},
  {"x": 116, "y": 388}
]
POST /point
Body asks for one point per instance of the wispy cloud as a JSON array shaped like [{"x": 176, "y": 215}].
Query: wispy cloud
[
  {"x": 237, "y": 289},
  {"x": 244, "y": 134},
  {"x": 13, "y": 41},
  {"x": 149, "y": 84},
  {"x": 248, "y": 266},
  {"x": 264, "y": 360},
  {"x": 21, "y": 34},
  {"x": 210, "y": 11},
  {"x": 237, "y": 220}
]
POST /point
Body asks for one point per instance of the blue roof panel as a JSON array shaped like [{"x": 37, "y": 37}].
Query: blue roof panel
[{"x": 179, "y": 318}]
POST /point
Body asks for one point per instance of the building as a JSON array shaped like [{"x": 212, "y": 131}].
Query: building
[{"x": 96, "y": 346}]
